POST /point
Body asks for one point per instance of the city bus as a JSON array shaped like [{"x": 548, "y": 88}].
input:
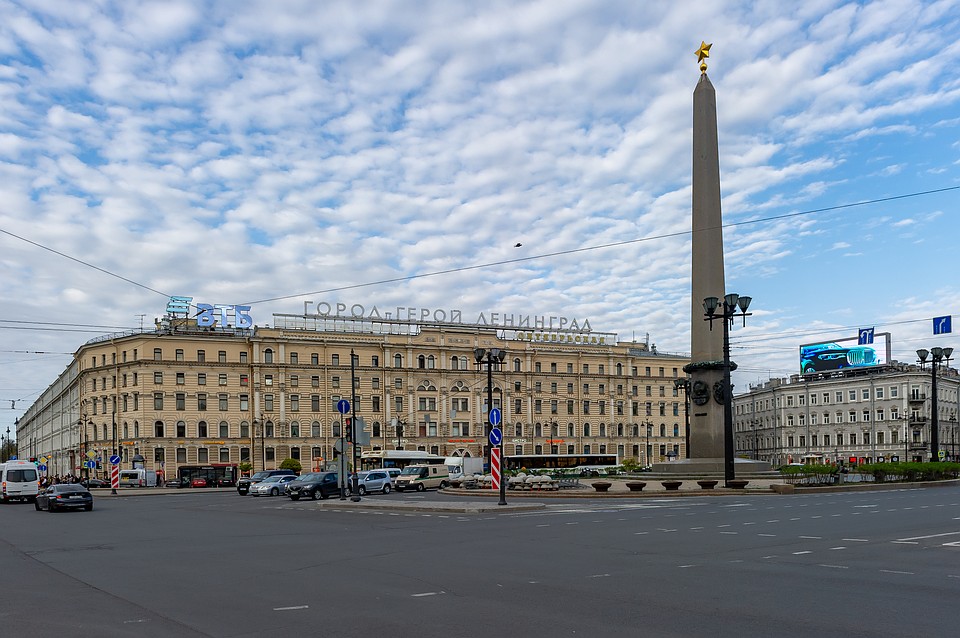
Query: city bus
[
  {"x": 375, "y": 459},
  {"x": 562, "y": 461},
  {"x": 216, "y": 474}
]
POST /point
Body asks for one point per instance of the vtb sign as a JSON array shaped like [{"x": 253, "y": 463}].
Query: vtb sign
[{"x": 209, "y": 315}]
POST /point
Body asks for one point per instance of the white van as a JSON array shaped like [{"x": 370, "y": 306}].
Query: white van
[
  {"x": 138, "y": 478},
  {"x": 421, "y": 477},
  {"x": 19, "y": 480}
]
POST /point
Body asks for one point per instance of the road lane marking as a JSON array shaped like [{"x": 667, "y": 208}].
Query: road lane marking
[
  {"x": 892, "y": 571},
  {"x": 814, "y": 538},
  {"x": 834, "y": 566},
  {"x": 836, "y": 548},
  {"x": 920, "y": 538},
  {"x": 803, "y": 552},
  {"x": 295, "y": 607},
  {"x": 855, "y": 540},
  {"x": 684, "y": 566},
  {"x": 729, "y": 532},
  {"x": 427, "y": 593},
  {"x": 768, "y": 535}
]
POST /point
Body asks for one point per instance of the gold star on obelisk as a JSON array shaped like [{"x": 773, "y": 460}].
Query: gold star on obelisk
[{"x": 701, "y": 53}]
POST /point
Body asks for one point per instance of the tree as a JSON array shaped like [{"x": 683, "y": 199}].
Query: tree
[
  {"x": 245, "y": 468},
  {"x": 291, "y": 464}
]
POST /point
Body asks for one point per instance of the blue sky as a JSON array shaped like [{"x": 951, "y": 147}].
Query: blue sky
[{"x": 245, "y": 151}]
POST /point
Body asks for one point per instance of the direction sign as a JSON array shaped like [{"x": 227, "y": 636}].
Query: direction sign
[
  {"x": 42, "y": 467},
  {"x": 941, "y": 325},
  {"x": 495, "y": 416},
  {"x": 115, "y": 459},
  {"x": 496, "y": 436},
  {"x": 90, "y": 465},
  {"x": 343, "y": 406}
]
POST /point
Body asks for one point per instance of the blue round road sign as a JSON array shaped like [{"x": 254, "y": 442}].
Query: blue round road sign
[
  {"x": 496, "y": 436},
  {"x": 42, "y": 468},
  {"x": 495, "y": 417},
  {"x": 343, "y": 406},
  {"x": 115, "y": 459}
]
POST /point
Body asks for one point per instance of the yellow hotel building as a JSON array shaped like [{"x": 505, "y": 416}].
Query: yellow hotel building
[{"x": 188, "y": 395}]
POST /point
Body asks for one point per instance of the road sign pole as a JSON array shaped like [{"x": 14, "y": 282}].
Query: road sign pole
[
  {"x": 495, "y": 467},
  {"x": 496, "y": 444},
  {"x": 114, "y": 479},
  {"x": 353, "y": 423}
]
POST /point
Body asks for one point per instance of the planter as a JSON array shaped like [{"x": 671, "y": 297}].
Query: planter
[
  {"x": 707, "y": 485},
  {"x": 671, "y": 486},
  {"x": 601, "y": 486},
  {"x": 636, "y": 486},
  {"x": 737, "y": 484}
]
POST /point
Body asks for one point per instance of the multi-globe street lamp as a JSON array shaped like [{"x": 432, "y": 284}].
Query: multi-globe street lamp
[
  {"x": 938, "y": 356},
  {"x": 683, "y": 385},
  {"x": 490, "y": 358},
  {"x": 726, "y": 309}
]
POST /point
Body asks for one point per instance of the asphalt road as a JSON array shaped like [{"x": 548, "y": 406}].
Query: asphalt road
[{"x": 203, "y": 563}]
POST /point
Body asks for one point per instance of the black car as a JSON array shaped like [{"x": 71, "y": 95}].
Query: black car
[
  {"x": 243, "y": 485},
  {"x": 178, "y": 483},
  {"x": 64, "y": 496},
  {"x": 318, "y": 485},
  {"x": 94, "y": 482}
]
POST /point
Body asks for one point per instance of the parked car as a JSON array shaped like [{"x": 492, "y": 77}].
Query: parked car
[
  {"x": 244, "y": 484},
  {"x": 314, "y": 486},
  {"x": 177, "y": 482},
  {"x": 198, "y": 482},
  {"x": 374, "y": 481},
  {"x": 272, "y": 485},
  {"x": 94, "y": 482},
  {"x": 64, "y": 496}
]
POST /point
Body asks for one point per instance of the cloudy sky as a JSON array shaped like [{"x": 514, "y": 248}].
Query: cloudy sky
[{"x": 285, "y": 151}]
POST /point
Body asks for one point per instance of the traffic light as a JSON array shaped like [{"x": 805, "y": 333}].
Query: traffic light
[
  {"x": 348, "y": 425},
  {"x": 400, "y": 429}
]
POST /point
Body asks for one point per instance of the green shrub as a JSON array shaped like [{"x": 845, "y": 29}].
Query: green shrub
[{"x": 291, "y": 464}]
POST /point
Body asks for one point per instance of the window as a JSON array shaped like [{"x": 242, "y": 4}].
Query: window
[
  {"x": 294, "y": 358},
  {"x": 181, "y": 429},
  {"x": 244, "y": 379},
  {"x": 375, "y": 403},
  {"x": 181, "y": 378},
  {"x": 852, "y": 395},
  {"x": 294, "y": 428},
  {"x": 201, "y": 356},
  {"x": 294, "y": 381},
  {"x": 181, "y": 399},
  {"x": 224, "y": 429},
  {"x": 157, "y": 354},
  {"x": 201, "y": 402},
  {"x": 201, "y": 378},
  {"x": 202, "y": 430},
  {"x": 839, "y": 397},
  {"x": 586, "y": 407},
  {"x": 586, "y": 429},
  {"x": 244, "y": 402},
  {"x": 268, "y": 402},
  {"x": 157, "y": 401},
  {"x": 268, "y": 355},
  {"x": 294, "y": 402},
  {"x": 178, "y": 354},
  {"x": 397, "y": 361},
  {"x": 894, "y": 392},
  {"x": 314, "y": 359},
  {"x": 375, "y": 361},
  {"x": 243, "y": 357},
  {"x": 158, "y": 429},
  {"x": 158, "y": 378},
  {"x": 335, "y": 382},
  {"x": 181, "y": 455},
  {"x": 222, "y": 356},
  {"x": 865, "y": 394},
  {"x": 268, "y": 379},
  {"x": 570, "y": 407},
  {"x": 537, "y": 406}
]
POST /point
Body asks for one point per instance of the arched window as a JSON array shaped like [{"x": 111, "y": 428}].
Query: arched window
[
  {"x": 620, "y": 429},
  {"x": 431, "y": 362},
  {"x": 619, "y": 369},
  {"x": 158, "y": 429},
  {"x": 570, "y": 430},
  {"x": 663, "y": 429},
  {"x": 181, "y": 429},
  {"x": 454, "y": 362},
  {"x": 518, "y": 429},
  {"x": 268, "y": 429},
  {"x": 586, "y": 429},
  {"x": 603, "y": 429},
  {"x": 202, "y": 430},
  {"x": 126, "y": 430},
  {"x": 224, "y": 429},
  {"x": 268, "y": 355},
  {"x": 315, "y": 429},
  {"x": 421, "y": 362},
  {"x": 538, "y": 431},
  {"x": 397, "y": 361},
  {"x": 516, "y": 365},
  {"x": 376, "y": 429},
  {"x": 294, "y": 428}
]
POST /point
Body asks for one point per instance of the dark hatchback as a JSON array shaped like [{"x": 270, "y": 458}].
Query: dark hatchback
[
  {"x": 243, "y": 485},
  {"x": 319, "y": 485},
  {"x": 64, "y": 496}
]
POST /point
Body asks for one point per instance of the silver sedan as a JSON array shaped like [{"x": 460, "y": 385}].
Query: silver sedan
[{"x": 271, "y": 486}]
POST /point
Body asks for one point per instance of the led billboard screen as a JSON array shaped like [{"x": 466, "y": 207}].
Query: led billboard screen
[{"x": 840, "y": 354}]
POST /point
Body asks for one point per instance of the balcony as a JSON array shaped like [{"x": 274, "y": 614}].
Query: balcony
[{"x": 916, "y": 397}]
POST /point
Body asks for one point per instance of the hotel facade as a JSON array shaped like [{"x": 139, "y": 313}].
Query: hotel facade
[{"x": 221, "y": 390}]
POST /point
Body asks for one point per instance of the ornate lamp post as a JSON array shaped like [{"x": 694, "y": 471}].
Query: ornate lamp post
[
  {"x": 684, "y": 386},
  {"x": 491, "y": 358},
  {"x": 726, "y": 310},
  {"x": 398, "y": 426},
  {"x": 937, "y": 356}
]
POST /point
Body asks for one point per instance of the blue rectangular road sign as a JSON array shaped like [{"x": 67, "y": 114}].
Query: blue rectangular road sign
[
  {"x": 941, "y": 325},
  {"x": 866, "y": 337}
]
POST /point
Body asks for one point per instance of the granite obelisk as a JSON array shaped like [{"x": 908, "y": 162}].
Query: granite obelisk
[{"x": 706, "y": 418}]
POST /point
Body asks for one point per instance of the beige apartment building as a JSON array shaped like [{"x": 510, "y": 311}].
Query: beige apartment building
[{"x": 184, "y": 395}]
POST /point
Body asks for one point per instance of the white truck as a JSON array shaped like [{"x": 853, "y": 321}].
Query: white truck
[
  {"x": 19, "y": 480},
  {"x": 461, "y": 467}
]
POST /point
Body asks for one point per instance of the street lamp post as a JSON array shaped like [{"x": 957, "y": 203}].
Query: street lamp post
[
  {"x": 647, "y": 454},
  {"x": 6, "y": 443},
  {"x": 938, "y": 355},
  {"x": 490, "y": 358},
  {"x": 726, "y": 309},
  {"x": 684, "y": 386}
]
